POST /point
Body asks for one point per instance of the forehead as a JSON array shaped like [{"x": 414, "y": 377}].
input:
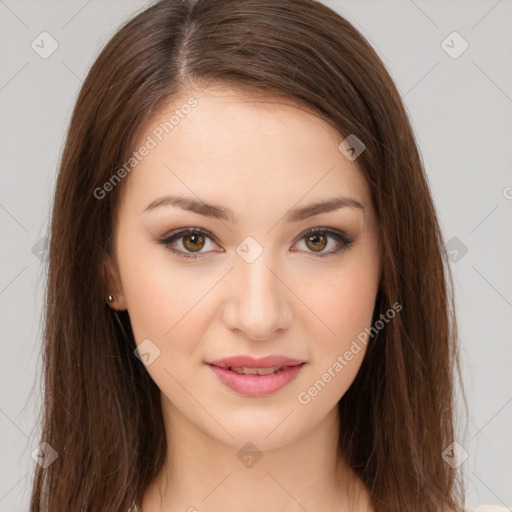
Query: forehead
[{"x": 234, "y": 144}]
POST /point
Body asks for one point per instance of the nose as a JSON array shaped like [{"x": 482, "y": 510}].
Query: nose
[{"x": 257, "y": 299}]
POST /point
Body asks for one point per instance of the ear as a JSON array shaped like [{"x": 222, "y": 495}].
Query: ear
[{"x": 113, "y": 284}]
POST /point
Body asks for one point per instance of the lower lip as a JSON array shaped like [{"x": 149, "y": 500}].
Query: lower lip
[{"x": 257, "y": 385}]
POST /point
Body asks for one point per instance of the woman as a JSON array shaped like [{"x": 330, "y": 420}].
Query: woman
[{"x": 247, "y": 303}]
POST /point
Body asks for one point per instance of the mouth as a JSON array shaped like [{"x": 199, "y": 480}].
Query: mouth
[
  {"x": 262, "y": 363},
  {"x": 246, "y": 370},
  {"x": 256, "y": 381}
]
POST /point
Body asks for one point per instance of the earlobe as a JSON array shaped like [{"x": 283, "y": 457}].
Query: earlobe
[{"x": 114, "y": 295}]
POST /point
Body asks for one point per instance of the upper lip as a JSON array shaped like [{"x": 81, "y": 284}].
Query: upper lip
[{"x": 250, "y": 362}]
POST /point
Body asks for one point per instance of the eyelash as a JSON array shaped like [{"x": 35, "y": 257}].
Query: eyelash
[{"x": 339, "y": 236}]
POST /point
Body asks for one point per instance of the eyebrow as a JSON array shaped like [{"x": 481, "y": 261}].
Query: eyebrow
[{"x": 219, "y": 212}]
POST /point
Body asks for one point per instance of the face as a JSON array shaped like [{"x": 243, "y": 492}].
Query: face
[{"x": 257, "y": 273}]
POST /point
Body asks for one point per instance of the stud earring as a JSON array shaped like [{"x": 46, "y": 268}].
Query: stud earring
[{"x": 111, "y": 297}]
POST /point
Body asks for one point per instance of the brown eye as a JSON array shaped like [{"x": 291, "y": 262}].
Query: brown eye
[
  {"x": 316, "y": 242},
  {"x": 193, "y": 242},
  {"x": 189, "y": 243},
  {"x": 318, "y": 239}
]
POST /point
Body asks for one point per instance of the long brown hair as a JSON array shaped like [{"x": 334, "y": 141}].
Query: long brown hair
[{"x": 101, "y": 409}]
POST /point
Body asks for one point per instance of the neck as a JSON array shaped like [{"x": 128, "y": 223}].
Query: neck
[{"x": 204, "y": 474}]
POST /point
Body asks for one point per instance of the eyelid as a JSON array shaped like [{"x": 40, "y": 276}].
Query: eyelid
[
  {"x": 171, "y": 237},
  {"x": 338, "y": 235}
]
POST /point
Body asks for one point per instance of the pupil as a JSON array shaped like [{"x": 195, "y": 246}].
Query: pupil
[
  {"x": 315, "y": 239},
  {"x": 192, "y": 240}
]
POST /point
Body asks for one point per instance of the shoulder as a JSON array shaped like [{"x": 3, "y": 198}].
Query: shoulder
[{"x": 490, "y": 508}]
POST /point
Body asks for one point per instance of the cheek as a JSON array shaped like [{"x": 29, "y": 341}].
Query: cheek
[
  {"x": 147, "y": 298},
  {"x": 337, "y": 351},
  {"x": 167, "y": 304},
  {"x": 151, "y": 291},
  {"x": 343, "y": 302},
  {"x": 344, "y": 297}
]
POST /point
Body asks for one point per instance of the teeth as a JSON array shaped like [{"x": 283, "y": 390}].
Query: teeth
[{"x": 255, "y": 371}]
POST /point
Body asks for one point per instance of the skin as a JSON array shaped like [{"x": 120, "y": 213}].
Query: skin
[{"x": 259, "y": 160}]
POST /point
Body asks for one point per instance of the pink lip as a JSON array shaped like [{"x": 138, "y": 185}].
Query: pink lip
[
  {"x": 249, "y": 362},
  {"x": 256, "y": 385}
]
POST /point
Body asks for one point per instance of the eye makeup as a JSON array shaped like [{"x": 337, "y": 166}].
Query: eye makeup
[{"x": 193, "y": 235}]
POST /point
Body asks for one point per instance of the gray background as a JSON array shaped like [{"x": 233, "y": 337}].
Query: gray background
[{"x": 461, "y": 110}]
